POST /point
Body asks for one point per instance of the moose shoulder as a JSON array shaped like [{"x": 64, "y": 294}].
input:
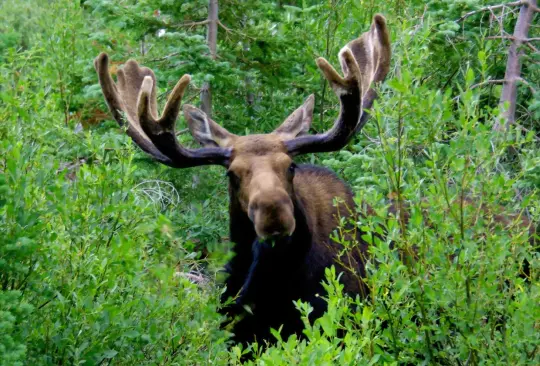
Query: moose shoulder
[{"x": 281, "y": 214}]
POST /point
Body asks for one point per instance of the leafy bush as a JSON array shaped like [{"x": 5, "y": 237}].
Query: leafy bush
[{"x": 107, "y": 258}]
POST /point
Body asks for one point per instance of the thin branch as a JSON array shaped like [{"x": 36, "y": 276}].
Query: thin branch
[
  {"x": 420, "y": 22},
  {"x": 535, "y": 137},
  {"x": 182, "y": 131},
  {"x": 192, "y": 24},
  {"x": 536, "y": 39},
  {"x": 526, "y": 41},
  {"x": 190, "y": 99},
  {"x": 491, "y": 8},
  {"x": 165, "y": 57},
  {"x": 531, "y": 88},
  {"x": 503, "y": 81},
  {"x": 229, "y": 30},
  {"x": 488, "y": 82},
  {"x": 195, "y": 278}
]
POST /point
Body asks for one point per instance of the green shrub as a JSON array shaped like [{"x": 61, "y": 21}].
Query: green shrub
[{"x": 107, "y": 258}]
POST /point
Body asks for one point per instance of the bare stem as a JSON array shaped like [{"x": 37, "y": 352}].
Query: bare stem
[
  {"x": 503, "y": 81},
  {"x": 491, "y": 8}
]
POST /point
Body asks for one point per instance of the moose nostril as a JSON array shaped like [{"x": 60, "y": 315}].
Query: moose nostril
[
  {"x": 276, "y": 228},
  {"x": 271, "y": 214}
]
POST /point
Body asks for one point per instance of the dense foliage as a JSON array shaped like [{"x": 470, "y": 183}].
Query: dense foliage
[{"x": 108, "y": 258}]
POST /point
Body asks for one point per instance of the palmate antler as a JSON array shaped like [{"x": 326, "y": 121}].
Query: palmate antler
[
  {"x": 133, "y": 101},
  {"x": 364, "y": 61}
]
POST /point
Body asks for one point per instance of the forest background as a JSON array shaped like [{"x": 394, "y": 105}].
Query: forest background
[{"x": 108, "y": 258}]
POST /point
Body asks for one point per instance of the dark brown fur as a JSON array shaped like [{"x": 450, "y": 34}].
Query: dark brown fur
[{"x": 267, "y": 278}]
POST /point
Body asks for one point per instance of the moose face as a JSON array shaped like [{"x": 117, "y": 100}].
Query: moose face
[
  {"x": 261, "y": 177},
  {"x": 260, "y": 169}
]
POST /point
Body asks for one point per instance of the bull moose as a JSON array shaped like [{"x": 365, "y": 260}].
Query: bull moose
[{"x": 282, "y": 214}]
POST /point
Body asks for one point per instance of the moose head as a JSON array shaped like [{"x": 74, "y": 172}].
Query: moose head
[{"x": 260, "y": 167}]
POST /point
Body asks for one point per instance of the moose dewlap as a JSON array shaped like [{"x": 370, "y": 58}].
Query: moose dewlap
[{"x": 281, "y": 214}]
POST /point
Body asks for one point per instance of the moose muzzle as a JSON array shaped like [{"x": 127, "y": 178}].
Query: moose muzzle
[{"x": 272, "y": 214}]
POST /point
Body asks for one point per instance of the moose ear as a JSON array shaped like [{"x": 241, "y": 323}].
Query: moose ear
[
  {"x": 299, "y": 122},
  {"x": 207, "y": 132}
]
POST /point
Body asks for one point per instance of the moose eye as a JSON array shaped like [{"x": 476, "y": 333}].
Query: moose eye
[
  {"x": 292, "y": 169},
  {"x": 234, "y": 179}
]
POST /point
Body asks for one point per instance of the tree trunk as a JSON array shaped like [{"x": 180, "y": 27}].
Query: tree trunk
[
  {"x": 513, "y": 65},
  {"x": 143, "y": 45},
  {"x": 250, "y": 97},
  {"x": 211, "y": 40}
]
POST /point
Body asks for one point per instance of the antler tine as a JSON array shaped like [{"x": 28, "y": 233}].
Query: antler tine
[
  {"x": 146, "y": 113},
  {"x": 133, "y": 101},
  {"x": 162, "y": 131},
  {"x": 118, "y": 109},
  {"x": 364, "y": 61}
]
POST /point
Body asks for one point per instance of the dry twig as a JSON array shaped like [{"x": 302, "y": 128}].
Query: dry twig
[
  {"x": 526, "y": 41},
  {"x": 182, "y": 131},
  {"x": 491, "y": 8},
  {"x": 229, "y": 30},
  {"x": 502, "y": 81},
  {"x": 192, "y": 24}
]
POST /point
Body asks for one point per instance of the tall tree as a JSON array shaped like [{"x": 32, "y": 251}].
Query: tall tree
[
  {"x": 211, "y": 40},
  {"x": 513, "y": 65}
]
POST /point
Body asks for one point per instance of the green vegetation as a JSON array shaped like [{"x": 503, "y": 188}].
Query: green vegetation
[{"x": 108, "y": 258}]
